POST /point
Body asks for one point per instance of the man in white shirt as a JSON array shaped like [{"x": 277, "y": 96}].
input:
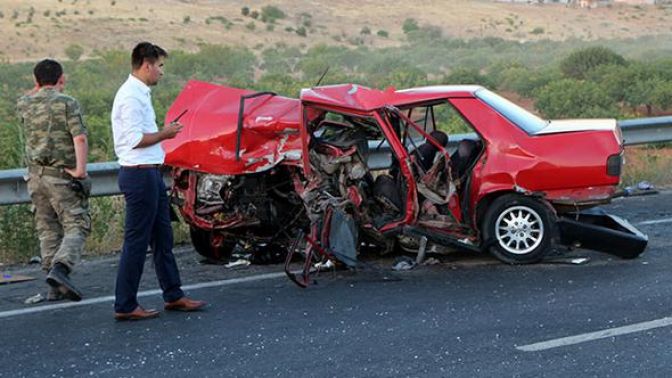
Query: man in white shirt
[{"x": 137, "y": 145}]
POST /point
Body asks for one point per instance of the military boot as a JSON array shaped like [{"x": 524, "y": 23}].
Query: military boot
[
  {"x": 54, "y": 294},
  {"x": 58, "y": 279}
]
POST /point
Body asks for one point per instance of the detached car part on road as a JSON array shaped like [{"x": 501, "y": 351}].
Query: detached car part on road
[{"x": 260, "y": 169}]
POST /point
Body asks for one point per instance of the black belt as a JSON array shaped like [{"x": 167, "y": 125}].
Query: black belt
[{"x": 142, "y": 166}]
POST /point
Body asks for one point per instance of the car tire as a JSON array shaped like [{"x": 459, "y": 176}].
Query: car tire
[
  {"x": 519, "y": 230},
  {"x": 202, "y": 240}
]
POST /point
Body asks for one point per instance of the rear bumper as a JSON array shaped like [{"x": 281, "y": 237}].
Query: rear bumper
[{"x": 594, "y": 229}]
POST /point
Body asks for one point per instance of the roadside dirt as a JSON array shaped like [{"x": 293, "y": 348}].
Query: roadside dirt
[{"x": 36, "y": 28}]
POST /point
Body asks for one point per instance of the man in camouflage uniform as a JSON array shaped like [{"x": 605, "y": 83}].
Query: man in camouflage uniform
[{"x": 56, "y": 153}]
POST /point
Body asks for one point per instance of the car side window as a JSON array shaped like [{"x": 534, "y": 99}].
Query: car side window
[{"x": 441, "y": 116}]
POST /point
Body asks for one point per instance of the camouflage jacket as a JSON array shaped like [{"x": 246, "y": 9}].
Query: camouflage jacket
[{"x": 50, "y": 120}]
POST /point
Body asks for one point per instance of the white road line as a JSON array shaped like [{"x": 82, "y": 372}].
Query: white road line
[
  {"x": 585, "y": 337},
  {"x": 667, "y": 220},
  {"x": 110, "y": 298}
]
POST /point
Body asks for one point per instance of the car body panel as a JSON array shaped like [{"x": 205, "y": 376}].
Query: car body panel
[
  {"x": 573, "y": 125},
  {"x": 562, "y": 165},
  {"x": 361, "y": 98},
  {"x": 208, "y": 141}
]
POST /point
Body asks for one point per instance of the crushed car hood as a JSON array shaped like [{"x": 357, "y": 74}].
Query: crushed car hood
[
  {"x": 574, "y": 125},
  {"x": 207, "y": 143}
]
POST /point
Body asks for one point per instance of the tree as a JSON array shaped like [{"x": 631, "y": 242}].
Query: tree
[
  {"x": 579, "y": 63},
  {"x": 638, "y": 84},
  {"x": 639, "y": 93},
  {"x": 468, "y": 76},
  {"x": 569, "y": 98},
  {"x": 407, "y": 77},
  {"x": 615, "y": 79},
  {"x": 282, "y": 84},
  {"x": 74, "y": 52},
  {"x": 661, "y": 95}
]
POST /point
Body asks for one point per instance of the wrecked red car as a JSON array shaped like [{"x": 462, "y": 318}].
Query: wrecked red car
[{"x": 257, "y": 169}]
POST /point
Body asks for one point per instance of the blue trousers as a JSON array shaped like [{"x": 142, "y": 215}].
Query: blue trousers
[{"x": 147, "y": 224}]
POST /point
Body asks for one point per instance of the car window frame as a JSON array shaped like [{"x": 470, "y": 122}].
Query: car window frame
[{"x": 514, "y": 113}]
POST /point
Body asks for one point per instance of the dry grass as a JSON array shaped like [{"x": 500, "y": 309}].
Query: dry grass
[
  {"x": 648, "y": 163},
  {"x": 20, "y": 242},
  {"x": 119, "y": 24}
]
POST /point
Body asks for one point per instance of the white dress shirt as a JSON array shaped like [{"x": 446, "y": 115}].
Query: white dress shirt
[{"x": 132, "y": 116}]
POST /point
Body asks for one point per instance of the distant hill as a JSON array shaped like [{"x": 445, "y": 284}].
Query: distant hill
[{"x": 33, "y": 29}]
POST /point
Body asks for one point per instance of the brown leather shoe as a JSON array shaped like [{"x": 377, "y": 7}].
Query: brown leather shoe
[
  {"x": 138, "y": 314},
  {"x": 184, "y": 304}
]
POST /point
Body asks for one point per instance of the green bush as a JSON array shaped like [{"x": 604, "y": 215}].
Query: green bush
[
  {"x": 383, "y": 33},
  {"x": 221, "y": 19},
  {"x": 410, "y": 25},
  {"x": 301, "y": 31},
  {"x": 468, "y": 76},
  {"x": 74, "y": 52},
  {"x": 271, "y": 13},
  {"x": 661, "y": 94},
  {"x": 425, "y": 33},
  {"x": 245, "y": 11},
  {"x": 406, "y": 77},
  {"x": 579, "y": 63},
  {"x": 570, "y": 98},
  {"x": 19, "y": 241},
  {"x": 281, "y": 83}
]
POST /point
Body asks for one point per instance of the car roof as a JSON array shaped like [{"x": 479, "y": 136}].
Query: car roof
[{"x": 361, "y": 98}]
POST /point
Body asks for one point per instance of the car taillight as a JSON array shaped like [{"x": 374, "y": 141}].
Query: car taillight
[{"x": 614, "y": 164}]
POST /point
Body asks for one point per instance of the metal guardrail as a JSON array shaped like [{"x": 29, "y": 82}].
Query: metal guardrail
[
  {"x": 646, "y": 130},
  {"x": 13, "y": 184},
  {"x": 104, "y": 175}
]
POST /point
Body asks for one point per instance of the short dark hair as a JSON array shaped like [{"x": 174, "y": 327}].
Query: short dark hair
[
  {"x": 47, "y": 72},
  {"x": 146, "y": 51}
]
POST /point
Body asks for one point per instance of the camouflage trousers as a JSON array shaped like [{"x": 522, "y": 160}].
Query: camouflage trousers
[{"x": 62, "y": 218}]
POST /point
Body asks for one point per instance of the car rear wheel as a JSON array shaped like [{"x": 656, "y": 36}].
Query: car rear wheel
[
  {"x": 519, "y": 230},
  {"x": 210, "y": 245}
]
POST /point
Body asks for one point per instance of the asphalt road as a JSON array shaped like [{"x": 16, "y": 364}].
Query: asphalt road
[{"x": 467, "y": 316}]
